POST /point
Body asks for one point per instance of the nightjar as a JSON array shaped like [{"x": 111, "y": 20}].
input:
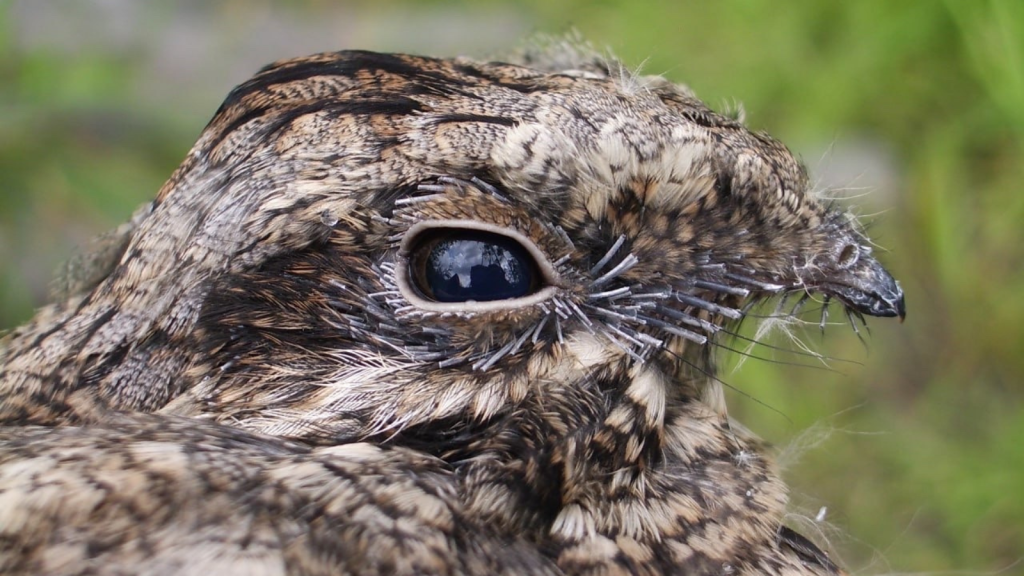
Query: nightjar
[{"x": 405, "y": 315}]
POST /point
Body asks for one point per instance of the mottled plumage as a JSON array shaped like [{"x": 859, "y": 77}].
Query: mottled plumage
[{"x": 251, "y": 379}]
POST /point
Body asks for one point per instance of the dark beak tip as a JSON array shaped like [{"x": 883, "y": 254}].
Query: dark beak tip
[
  {"x": 888, "y": 295},
  {"x": 892, "y": 304},
  {"x": 899, "y": 303}
]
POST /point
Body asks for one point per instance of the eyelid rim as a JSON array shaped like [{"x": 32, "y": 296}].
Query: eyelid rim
[{"x": 402, "y": 277}]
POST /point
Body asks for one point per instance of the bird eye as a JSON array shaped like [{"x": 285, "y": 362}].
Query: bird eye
[{"x": 449, "y": 265}]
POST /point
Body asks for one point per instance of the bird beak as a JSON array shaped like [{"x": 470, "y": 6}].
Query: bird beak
[{"x": 866, "y": 287}]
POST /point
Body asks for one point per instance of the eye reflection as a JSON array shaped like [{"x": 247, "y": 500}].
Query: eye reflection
[{"x": 472, "y": 265}]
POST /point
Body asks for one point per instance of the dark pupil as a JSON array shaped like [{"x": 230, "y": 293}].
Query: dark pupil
[{"x": 457, "y": 266}]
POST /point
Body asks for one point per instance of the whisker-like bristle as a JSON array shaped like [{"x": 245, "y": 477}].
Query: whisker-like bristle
[
  {"x": 587, "y": 322},
  {"x": 535, "y": 337},
  {"x": 565, "y": 238},
  {"x": 628, "y": 349},
  {"x": 520, "y": 341},
  {"x": 615, "y": 314},
  {"x": 627, "y": 263},
  {"x": 356, "y": 322},
  {"x": 723, "y": 288},
  {"x": 781, "y": 304},
  {"x": 610, "y": 293},
  {"x": 436, "y": 188},
  {"x": 716, "y": 268},
  {"x": 491, "y": 359},
  {"x": 824, "y": 312},
  {"x": 649, "y": 341},
  {"x": 565, "y": 258},
  {"x": 709, "y": 306},
  {"x": 608, "y": 255},
  {"x": 453, "y": 361},
  {"x": 484, "y": 186},
  {"x": 767, "y": 286},
  {"x": 651, "y": 295},
  {"x": 688, "y": 319},
  {"x": 677, "y": 331},
  {"x": 423, "y": 353},
  {"x": 863, "y": 321},
  {"x": 748, "y": 306},
  {"x": 561, "y": 309},
  {"x": 851, "y": 316},
  {"x": 800, "y": 304}
]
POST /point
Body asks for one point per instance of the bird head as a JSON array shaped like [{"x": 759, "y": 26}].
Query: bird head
[{"x": 363, "y": 244}]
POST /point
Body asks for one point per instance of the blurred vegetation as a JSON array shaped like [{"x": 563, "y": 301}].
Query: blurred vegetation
[{"x": 924, "y": 469}]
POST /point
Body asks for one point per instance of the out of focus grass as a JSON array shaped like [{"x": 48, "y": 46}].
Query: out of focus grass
[{"x": 924, "y": 470}]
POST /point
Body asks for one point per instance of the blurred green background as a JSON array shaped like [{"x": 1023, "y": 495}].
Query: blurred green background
[{"x": 914, "y": 110}]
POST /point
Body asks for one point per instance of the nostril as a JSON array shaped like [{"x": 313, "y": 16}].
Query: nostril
[{"x": 848, "y": 256}]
